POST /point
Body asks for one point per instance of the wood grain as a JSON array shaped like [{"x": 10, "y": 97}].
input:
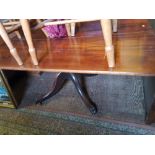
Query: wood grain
[{"x": 134, "y": 44}]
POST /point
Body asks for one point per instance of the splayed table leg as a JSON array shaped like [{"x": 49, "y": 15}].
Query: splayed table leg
[{"x": 76, "y": 79}]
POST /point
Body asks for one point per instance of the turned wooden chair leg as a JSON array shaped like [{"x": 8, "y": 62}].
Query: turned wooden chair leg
[
  {"x": 109, "y": 48},
  {"x": 72, "y": 29},
  {"x": 8, "y": 42},
  {"x": 45, "y": 33},
  {"x": 68, "y": 29},
  {"x": 114, "y": 25},
  {"x": 27, "y": 33},
  {"x": 16, "y": 32}
]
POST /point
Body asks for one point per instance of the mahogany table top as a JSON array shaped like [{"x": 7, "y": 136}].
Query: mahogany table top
[{"x": 134, "y": 51}]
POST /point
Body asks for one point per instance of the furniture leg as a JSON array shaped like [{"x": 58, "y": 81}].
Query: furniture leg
[
  {"x": 150, "y": 118},
  {"x": 27, "y": 33},
  {"x": 68, "y": 29},
  {"x": 75, "y": 78},
  {"x": 72, "y": 29},
  {"x": 39, "y": 21},
  {"x": 109, "y": 48},
  {"x": 16, "y": 32},
  {"x": 57, "y": 85},
  {"x": 8, "y": 42},
  {"x": 83, "y": 94},
  {"x": 149, "y": 98},
  {"x": 114, "y": 25}
]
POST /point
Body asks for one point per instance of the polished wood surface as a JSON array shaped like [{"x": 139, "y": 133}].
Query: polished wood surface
[
  {"x": 134, "y": 45},
  {"x": 106, "y": 25}
]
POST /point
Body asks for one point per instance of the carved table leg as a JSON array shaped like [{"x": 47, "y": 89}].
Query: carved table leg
[
  {"x": 57, "y": 85},
  {"x": 83, "y": 94},
  {"x": 150, "y": 118},
  {"x": 75, "y": 78},
  {"x": 149, "y": 96}
]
